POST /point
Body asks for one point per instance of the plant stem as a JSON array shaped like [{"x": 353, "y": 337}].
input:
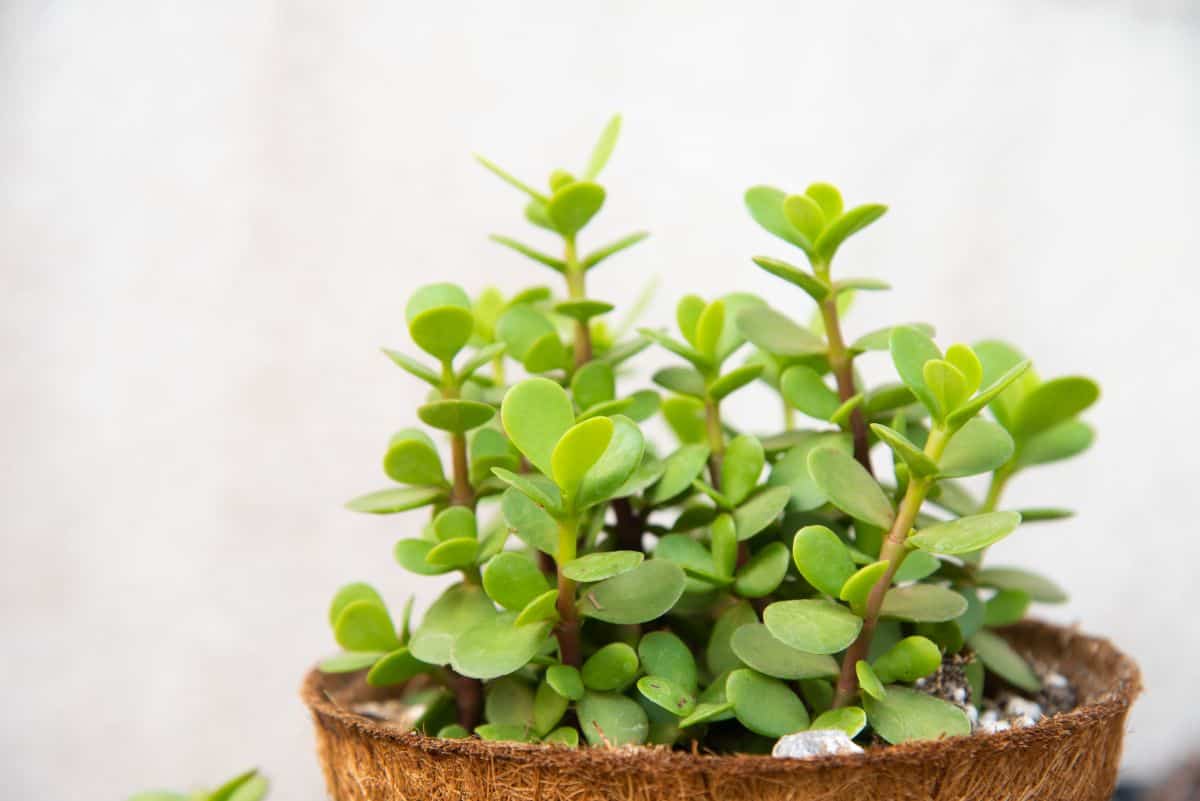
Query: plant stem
[
  {"x": 575, "y": 291},
  {"x": 841, "y": 361},
  {"x": 629, "y": 525},
  {"x": 996, "y": 488},
  {"x": 716, "y": 441},
  {"x": 567, "y": 630},
  {"x": 893, "y": 552}
]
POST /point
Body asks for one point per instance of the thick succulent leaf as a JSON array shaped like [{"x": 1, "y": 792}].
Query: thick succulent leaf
[
  {"x": 497, "y": 647},
  {"x": 358, "y": 591},
  {"x": 837, "y": 231},
  {"x": 918, "y": 463},
  {"x": 412, "y": 554},
  {"x": 459, "y": 552},
  {"x": 350, "y": 661},
  {"x": 640, "y": 595},
  {"x": 395, "y": 668},
  {"x": 980, "y": 446},
  {"x": 541, "y": 608},
  {"x": 908, "y": 660},
  {"x": 805, "y": 215},
  {"x": 365, "y": 625},
  {"x": 573, "y": 206},
  {"x": 763, "y": 572},
  {"x": 683, "y": 380},
  {"x": 682, "y": 468},
  {"x": 911, "y": 349},
  {"x": 719, "y": 656},
  {"x": 612, "y": 667},
  {"x": 593, "y": 383},
  {"x": 857, "y": 588},
  {"x": 850, "y": 719},
  {"x": 395, "y": 499},
  {"x": 1055, "y": 444},
  {"x": 443, "y": 331},
  {"x": 791, "y": 470},
  {"x": 539, "y": 489},
  {"x": 664, "y": 693},
  {"x": 512, "y": 580},
  {"x": 536, "y": 413},
  {"x": 602, "y": 565},
  {"x": 803, "y": 388},
  {"x": 1039, "y": 588},
  {"x": 455, "y": 416},
  {"x": 459, "y": 608},
  {"x": 531, "y": 523},
  {"x": 414, "y": 368},
  {"x": 777, "y": 334},
  {"x": 577, "y": 451},
  {"x": 923, "y": 603},
  {"x": 600, "y": 254},
  {"x": 558, "y": 265},
  {"x": 999, "y": 359},
  {"x": 765, "y": 705},
  {"x": 880, "y": 339},
  {"x": 734, "y": 380},
  {"x": 817, "y": 288},
  {"x": 687, "y": 316},
  {"x": 755, "y": 646},
  {"x": 612, "y": 720},
  {"x": 709, "y": 326},
  {"x": 412, "y": 458},
  {"x": 850, "y": 487},
  {"x": 605, "y": 479},
  {"x": 904, "y": 715},
  {"x": 741, "y": 466},
  {"x": 868, "y": 682},
  {"x": 664, "y": 654},
  {"x": 765, "y": 204},
  {"x": 966, "y": 534},
  {"x": 995, "y": 392},
  {"x": 603, "y": 149},
  {"x": 1000, "y": 658},
  {"x": 1053, "y": 402},
  {"x": 566, "y": 681},
  {"x": 815, "y": 626},
  {"x": 822, "y": 558},
  {"x": 1005, "y": 607},
  {"x": 760, "y": 510}
]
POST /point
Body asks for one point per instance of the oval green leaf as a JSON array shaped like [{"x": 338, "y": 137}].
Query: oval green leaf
[
  {"x": 850, "y": 487},
  {"x": 643, "y": 594},
  {"x": 765, "y": 705},
  {"x": 812, "y": 625}
]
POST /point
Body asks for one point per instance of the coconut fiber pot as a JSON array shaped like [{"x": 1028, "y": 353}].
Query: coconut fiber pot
[{"x": 1072, "y": 756}]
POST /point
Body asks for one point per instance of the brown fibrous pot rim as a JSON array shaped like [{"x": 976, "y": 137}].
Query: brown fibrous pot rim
[{"x": 1120, "y": 685}]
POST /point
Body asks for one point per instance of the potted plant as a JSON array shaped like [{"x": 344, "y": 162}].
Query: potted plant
[
  {"x": 248, "y": 786},
  {"x": 632, "y": 619}
]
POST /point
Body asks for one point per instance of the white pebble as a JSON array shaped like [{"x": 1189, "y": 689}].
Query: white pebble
[
  {"x": 818, "y": 742},
  {"x": 1020, "y": 708},
  {"x": 995, "y": 726},
  {"x": 1055, "y": 680},
  {"x": 1023, "y": 721},
  {"x": 973, "y": 715},
  {"x": 960, "y": 695}
]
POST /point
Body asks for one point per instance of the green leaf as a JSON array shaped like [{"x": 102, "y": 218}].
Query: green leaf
[
  {"x": 412, "y": 458},
  {"x": 573, "y": 206},
  {"x": 911, "y": 349},
  {"x": 863, "y": 284},
  {"x": 741, "y": 466},
  {"x": 459, "y": 552},
  {"x": 994, "y": 394},
  {"x": 817, "y": 288},
  {"x": 764, "y": 705},
  {"x": 880, "y": 339},
  {"x": 664, "y": 654},
  {"x": 805, "y": 215},
  {"x": 918, "y": 463},
  {"x": 841, "y": 415},
  {"x": 509, "y": 702},
  {"x": 365, "y": 626},
  {"x": 542, "y": 608},
  {"x": 868, "y": 682},
  {"x": 754, "y": 645},
  {"x": 908, "y": 660},
  {"x": 827, "y": 197},
  {"x": 548, "y": 709},
  {"x": 414, "y": 367},
  {"x": 980, "y": 446},
  {"x": 681, "y": 468},
  {"x": 792, "y": 469},
  {"x": 1039, "y": 588},
  {"x": 479, "y": 358},
  {"x": 565, "y": 736},
  {"x": 249, "y": 786},
  {"x": 946, "y": 384},
  {"x": 529, "y": 521},
  {"x": 558, "y": 265},
  {"x": 678, "y": 348},
  {"x": 760, "y": 510},
  {"x": 455, "y": 416},
  {"x": 616, "y": 464},
  {"x": 999, "y": 359},
  {"x": 566, "y": 681},
  {"x": 1044, "y": 514},
  {"x": 520, "y": 327},
  {"x": 850, "y": 487},
  {"x": 1000, "y": 658},
  {"x": 687, "y": 315},
  {"x": 763, "y": 573},
  {"x": 358, "y": 591},
  {"x": 443, "y": 331},
  {"x": 765, "y": 204},
  {"x": 613, "y": 720},
  {"x": 803, "y": 388},
  {"x": 1055, "y": 444},
  {"x": 536, "y": 413},
  {"x": 683, "y": 380},
  {"x": 435, "y": 296},
  {"x": 582, "y": 310},
  {"x": 1005, "y": 608},
  {"x": 923, "y": 603},
  {"x": 665, "y": 693},
  {"x": 724, "y": 545},
  {"x": 1053, "y": 402},
  {"x": 916, "y": 566},
  {"x": 455, "y": 522},
  {"x": 499, "y": 732},
  {"x": 593, "y": 383},
  {"x": 411, "y": 554},
  {"x": 858, "y": 587},
  {"x": 968, "y": 364},
  {"x": 613, "y": 667},
  {"x": 839, "y": 230},
  {"x": 822, "y": 558},
  {"x": 350, "y": 661},
  {"x": 815, "y": 626},
  {"x": 395, "y": 668},
  {"x": 512, "y": 580},
  {"x": 490, "y": 448},
  {"x": 538, "y": 488},
  {"x": 459, "y": 608},
  {"x": 577, "y": 451},
  {"x": 640, "y": 595},
  {"x": 395, "y": 499},
  {"x": 733, "y": 381},
  {"x": 510, "y": 180},
  {"x": 966, "y": 534},
  {"x": 497, "y": 647},
  {"x": 718, "y": 655},
  {"x": 850, "y": 719},
  {"x": 600, "y": 254},
  {"x": 604, "y": 148},
  {"x": 602, "y": 565},
  {"x": 709, "y": 326},
  {"x": 685, "y": 416},
  {"x": 904, "y": 715},
  {"x": 777, "y": 334}
]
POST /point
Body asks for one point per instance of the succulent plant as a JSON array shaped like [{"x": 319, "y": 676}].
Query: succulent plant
[
  {"x": 248, "y": 786},
  {"x": 737, "y": 585}
]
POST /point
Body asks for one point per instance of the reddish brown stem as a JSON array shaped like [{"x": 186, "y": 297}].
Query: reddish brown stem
[{"x": 842, "y": 363}]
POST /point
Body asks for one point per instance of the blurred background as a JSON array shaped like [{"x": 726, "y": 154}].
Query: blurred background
[{"x": 211, "y": 215}]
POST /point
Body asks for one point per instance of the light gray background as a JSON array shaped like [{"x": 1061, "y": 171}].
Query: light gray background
[{"x": 211, "y": 215}]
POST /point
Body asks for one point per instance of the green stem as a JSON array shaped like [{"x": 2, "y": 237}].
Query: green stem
[
  {"x": 567, "y": 630},
  {"x": 841, "y": 361},
  {"x": 893, "y": 551},
  {"x": 716, "y": 441},
  {"x": 576, "y": 291},
  {"x": 996, "y": 488}
]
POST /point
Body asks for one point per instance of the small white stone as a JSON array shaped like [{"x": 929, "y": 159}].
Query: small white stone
[
  {"x": 1020, "y": 708},
  {"x": 990, "y": 717},
  {"x": 818, "y": 742},
  {"x": 993, "y": 726},
  {"x": 1023, "y": 721},
  {"x": 973, "y": 715},
  {"x": 1055, "y": 680},
  {"x": 959, "y": 695}
]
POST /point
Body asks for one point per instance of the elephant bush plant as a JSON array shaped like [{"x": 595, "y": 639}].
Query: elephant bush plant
[{"x": 740, "y": 583}]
